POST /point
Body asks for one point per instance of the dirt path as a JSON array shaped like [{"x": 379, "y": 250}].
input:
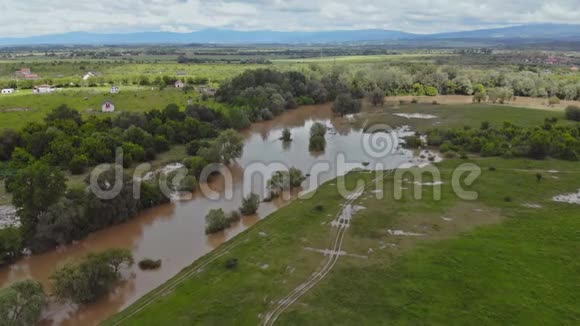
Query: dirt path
[{"x": 334, "y": 254}]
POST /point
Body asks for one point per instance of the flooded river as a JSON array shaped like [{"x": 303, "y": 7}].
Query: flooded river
[{"x": 175, "y": 233}]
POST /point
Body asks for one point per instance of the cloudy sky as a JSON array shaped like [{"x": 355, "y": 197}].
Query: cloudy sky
[{"x": 36, "y": 17}]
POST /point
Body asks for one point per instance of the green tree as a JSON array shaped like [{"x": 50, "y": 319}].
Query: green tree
[
  {"x": 318, "y": 129},
  {"x": 90, "y": 278},
  {"x": 228, "y": 146},
  {"x": 63, "y": 112},
  {"x": 21, "y": 303},
  {"x": 35, "y": 188},
  {"x": 377, "y": 97},
  {"x": 346, "y": 104},
  {"x": 10, "y": 244}
]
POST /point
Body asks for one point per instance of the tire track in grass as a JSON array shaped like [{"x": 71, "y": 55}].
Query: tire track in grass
[{"x": 303, "y": 288}]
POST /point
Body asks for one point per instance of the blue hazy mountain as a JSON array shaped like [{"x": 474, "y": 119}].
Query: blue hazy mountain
[{"x": 536, "y": 31}]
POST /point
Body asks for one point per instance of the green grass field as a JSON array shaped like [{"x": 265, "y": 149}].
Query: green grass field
[
  {"x": 495, "y": 262},
  {"x": 457, "y": 115},
  {"x": 17, "y": 109}
]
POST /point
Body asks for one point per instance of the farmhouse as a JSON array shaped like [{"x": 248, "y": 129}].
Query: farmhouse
[
  {"x": 114, "y": 90},
  {"x": 108, "y": 106},
  {"x": 26, "y": 73},
  {"x": 574, "y": 68},
  {"x": 43, "y": 89},
  {"x": 179, "y": 84},
  {"x": 8, "y": 91}
]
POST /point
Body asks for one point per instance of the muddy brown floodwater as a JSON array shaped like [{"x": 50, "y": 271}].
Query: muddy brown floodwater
[{"x": 175, "y": 233}]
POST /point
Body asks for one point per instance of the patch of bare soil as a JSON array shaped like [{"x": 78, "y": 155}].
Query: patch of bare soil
[{"x": 15, "y": 110}]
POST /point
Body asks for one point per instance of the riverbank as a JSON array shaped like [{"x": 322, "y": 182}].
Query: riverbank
[
  {"x": 407, "y": 261},
  {"x": 175, "y": 233}
]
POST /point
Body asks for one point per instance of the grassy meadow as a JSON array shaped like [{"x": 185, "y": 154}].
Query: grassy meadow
[
  {"x": 488, "y": 261},
  {"x": 457, "y": 115},
  {"x": 17, "y": 109}
]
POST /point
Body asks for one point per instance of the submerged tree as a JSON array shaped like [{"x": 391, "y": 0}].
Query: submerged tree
[
  {"x": 92, "y": 277},
  {"x": 286, "y": 135},
  {"x": 21, "y": 303}
]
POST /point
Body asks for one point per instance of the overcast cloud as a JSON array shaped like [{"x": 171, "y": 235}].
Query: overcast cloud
[{"x": 35, "y": 17}]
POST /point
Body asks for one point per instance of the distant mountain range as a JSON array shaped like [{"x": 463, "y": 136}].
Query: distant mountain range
[{"x": 220, "y": 36}]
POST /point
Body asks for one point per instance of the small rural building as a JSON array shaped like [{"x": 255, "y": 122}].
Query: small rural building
[
  {"x": 31, "y": 76},
  {"x": 108, "y": 106},
  {"x": 574, "y": 68},
  {"x": 114, "y": 89},
  {"x": 179, "y": 84},
  {"x": 43, "y": 89},
  {"x": 8, "y": 91}
]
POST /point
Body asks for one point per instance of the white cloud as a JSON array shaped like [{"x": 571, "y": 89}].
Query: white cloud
[{"x": 34, "y": 17}]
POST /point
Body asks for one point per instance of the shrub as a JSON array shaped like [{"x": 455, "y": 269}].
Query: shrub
[
  {"x": 149, "y": 264},
  {"x": 573, "y": 113},
  {"x": 450, "y": 155},
  {"x": 78, "y": 164},
  {"x": 250, "y": 204},
  {"x": 507, "y": 199},
  {"x": 232, "y": 263},
  {"x": 413, "y": 142},
  {"x": 317, "y": 144},
  {"x": 233, "y": 217},
  {"x": 266, "y": 114},
  {"x": 305, "y": 100},
  {"x": 286, "y": 135},
  {"x": 463, "y": 156},
  {"x": 319, "y": 208},
  {"x": 492, "y": 168},
  {"x": 194, "y": 146},
  {"x": 188, "y": 183},
  {"x": 414, "y": 101},
  {"x": 553, "y": 101},
  {"x": 435, "y": 103},
  {"x": 216, "y": 221},
  {"x": 317, "y": 129}
]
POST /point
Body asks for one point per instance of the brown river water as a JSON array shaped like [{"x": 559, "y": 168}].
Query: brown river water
[{"x": 175, "y": 232}]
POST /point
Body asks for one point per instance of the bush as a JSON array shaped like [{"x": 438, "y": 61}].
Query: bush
[
  {"x": 414, "y": 101},
  {"x": 250, "y": 204},
  {"x": 266, "y": 114},
  {"x": 507, "y": 199},
  {"x": 553, "y": 101},
  {"x": 413, "y": 142},
  {"x": 216, "y": 221},
  {"x": 305, "y": 100},
  {"x": 188, "y": 183},
  {"x": 573, "y": 113},
  {"x": 450, "y": 155},
  {"x": 233, "y": 217},
  {"x": 317, "y": 144},
  {"x": 232, "y": 263},
  {"x": 492, "y": 168},
  {"x": 149, "y": 264},
  {"x": 319, "y": 208},
  {"x": 286, "y": 135},
  {"x": 194, "y": 146},
  {"x": 78, "y": 164}
]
